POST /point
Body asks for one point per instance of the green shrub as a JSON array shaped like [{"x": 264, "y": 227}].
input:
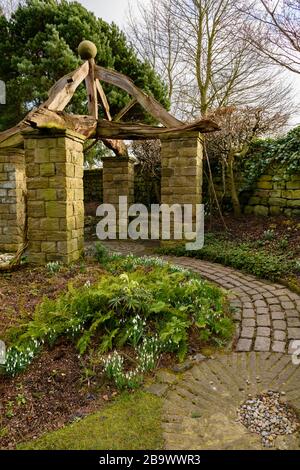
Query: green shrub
[
  {"x": 241, "y": 256},
  {"x": 151, "y": 300},
  {"x": 101, "y": 254}
]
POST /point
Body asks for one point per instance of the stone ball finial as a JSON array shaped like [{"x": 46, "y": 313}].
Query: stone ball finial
[{"x": 87, "y": 50}]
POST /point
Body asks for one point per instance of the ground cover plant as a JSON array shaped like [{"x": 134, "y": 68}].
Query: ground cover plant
[
  {"x": 102, "y": 328},
  {"x": 143, "y": 304},
  {"x": 268, "y": 249}
]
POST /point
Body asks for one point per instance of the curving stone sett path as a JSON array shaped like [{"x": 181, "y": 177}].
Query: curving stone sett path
[
  {"x": 200, "y": 407},
  {"x": 267, "y": 315}
]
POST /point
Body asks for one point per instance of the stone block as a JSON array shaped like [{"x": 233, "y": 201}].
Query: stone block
[
  {"x": 295, "y": 177},
  {"x": 291, "y": 194},
  {"x": 37, "y": 183},
  {"x": 275, "y": 210},
  {"x": 41, "y": 155},
  {"x": 34, "y": 223},
  {"x": 265, "y": 185},
  {"x": 293, "y": 203},
  {"x": 47, "y": 169},
  {"x": 293, "y": 185},
  {"x": 57, "y": 155},
  {"x": 58, "y": 236},
  {"x": 50, "y": 224},
  {"x": 48, "y": 247},
  {"x": 261, "y": 210},
  {"x": 56, "y": 209},
  {"x": 46, "y": 194},
  {"x": 36, "y": 209},
  {"x": 78, "y": 172},
  {"x": 277, "y": 193},
  {"x": 276, "y": 201},
  {"x": 279, "y": 185},
  {"x": 37, "y": 258},
  {"x": 266, "y": 178}
]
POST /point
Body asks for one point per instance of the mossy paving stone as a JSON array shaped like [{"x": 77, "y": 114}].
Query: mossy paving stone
[{"x": 200, "y": 411}]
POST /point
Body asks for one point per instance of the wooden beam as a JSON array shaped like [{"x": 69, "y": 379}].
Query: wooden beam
[
  {"x": 117, "y": 146},
  {"x": 92, "y": 90},
  {"x": 147, "y": 102},
  {"x": 129, "y": 131},
  {"x": 62, "y": 92},
  {"x": 125, "y": 110},
  {"x": 88, "y": 126},
  {"x": 44, "y": 119},
  {"x": 103, "y": 99}
]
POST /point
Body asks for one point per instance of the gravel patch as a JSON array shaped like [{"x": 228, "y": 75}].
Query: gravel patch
[{"x": 269, "y": 416}]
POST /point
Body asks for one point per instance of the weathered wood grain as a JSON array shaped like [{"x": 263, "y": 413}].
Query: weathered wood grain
[
  {"x": 62, "y": 92},
  {"x": 92, "y": 90},
  {"x": 148, "y": 102}
]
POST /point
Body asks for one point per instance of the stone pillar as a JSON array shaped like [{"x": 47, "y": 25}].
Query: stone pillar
[
  {"x": 12, "y": 206},
  {"x": 118, "y": 180},
  {"x": 182, "y": 167},
  {"x": 54, "y": 168}
]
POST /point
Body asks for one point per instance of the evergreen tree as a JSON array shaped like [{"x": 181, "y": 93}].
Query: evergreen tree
[{"x": 38, "y": 45}]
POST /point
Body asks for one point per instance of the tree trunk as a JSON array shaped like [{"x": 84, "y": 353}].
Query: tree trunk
[{"x": 234, "y": 195}]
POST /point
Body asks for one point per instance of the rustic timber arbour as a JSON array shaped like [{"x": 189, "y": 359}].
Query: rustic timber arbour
[{"x": 52, "y": 178}]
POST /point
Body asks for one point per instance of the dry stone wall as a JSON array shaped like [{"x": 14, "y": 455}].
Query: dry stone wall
[
  {"x": 12, "y": 199},
  {"x": 275, "y": 193}
]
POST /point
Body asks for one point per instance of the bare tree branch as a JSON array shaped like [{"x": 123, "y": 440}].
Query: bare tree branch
[
  {"x": 200, "y": 50},
  {"x": 274, "y": 30}
]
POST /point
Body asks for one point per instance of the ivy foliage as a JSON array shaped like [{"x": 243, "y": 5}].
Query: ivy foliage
[
  {"x": 247, "y": 257},
  {"x": 282, "y": 153}
]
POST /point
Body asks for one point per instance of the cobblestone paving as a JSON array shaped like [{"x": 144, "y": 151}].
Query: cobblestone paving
[
  {"x": 267, "y": 315},
  {"x": 200, "y": 409}
]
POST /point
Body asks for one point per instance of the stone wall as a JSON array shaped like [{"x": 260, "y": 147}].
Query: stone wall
[
  {"x": 93, "y": 185},
  {"x": 54, "y": 168},
  {"x": 144, "y": 188},
  {"x": 118, "y": 179},
  {"x": 12, "y": 203},
  {"x": 275, "y": 193}
]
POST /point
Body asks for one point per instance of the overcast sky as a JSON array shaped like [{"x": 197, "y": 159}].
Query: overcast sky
[
  {"x": 110, "y": 10},
  {"x": 116, "y": 10}
]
